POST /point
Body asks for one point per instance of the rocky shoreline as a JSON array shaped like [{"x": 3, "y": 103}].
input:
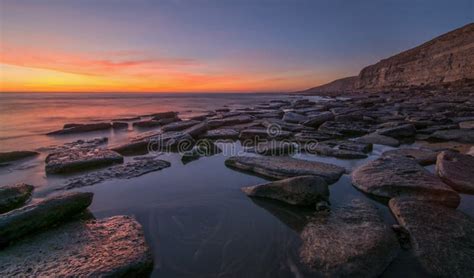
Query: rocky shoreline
[{"x": 352, "y": 236}]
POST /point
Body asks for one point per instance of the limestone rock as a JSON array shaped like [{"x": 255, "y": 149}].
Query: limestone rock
[
  {"x": 281, "y": 167},
  {"x": 301, "y": 190},
  {"x": 79, "y": 160},
  {"x": 13, "y": 196},
  {"x": 457, "y": 170},
  {"x": 422, "y": 156},
  {"x": 441, "y": 237},
  {"x": 112, "y": 247},
  {"x": 401, "y": 131},
  {"x": 397, "y": 176},
  {"x": 15, "y": 155},
  {"x": 37, "y": 216}
]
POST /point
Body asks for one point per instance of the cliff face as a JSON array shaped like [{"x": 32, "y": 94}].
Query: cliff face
[
  {"x": 340, "y": 85},
  {"x": 444, "y": 61}
]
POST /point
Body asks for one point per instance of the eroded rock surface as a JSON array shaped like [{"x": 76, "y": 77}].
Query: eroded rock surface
[
  {"x": 112, "y": 247},
  {"x": 422, "y": 156},
  {"x": 349, "y": 241},
  {"x": 31, "y": 218},
  {"x": 442, "y": 238},
  {"x": 301, "y": 190},
  {"x": 82, "y": 159},
  {"x": 13, "y": 196},
  {"x": 131, "y": 169},
  {"x": 396, "y": 176},
  {"x": 457, "y": 170},
  {"x": 281, "y": 167}
]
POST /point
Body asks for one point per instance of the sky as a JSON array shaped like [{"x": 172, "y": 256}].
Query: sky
[{"x": 207, "y": 45}]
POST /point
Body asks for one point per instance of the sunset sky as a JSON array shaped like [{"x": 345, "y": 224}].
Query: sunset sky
[{"x": 207, "y": 46}]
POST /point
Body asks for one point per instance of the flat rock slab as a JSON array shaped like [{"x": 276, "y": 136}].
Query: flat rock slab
[
  {"x": 326, "y": 150},
  {"x": 225, "y": 133},
  {"x": 458, "y": 135},
  {"x": 395, "y": 176},
  {"x": 112, "y": 247},
  {"x": 457, "y": 170},
  {"x": 13, "y": 196},
  {"x": 374, "y": 138},
  {"x": 401, "y": 131},
  {"x": 15, "y": 155},
  {"x": 78, "y": 160},
  {"x": 422, "y": 156},
  {"x": 316, "y": 120},
  {"x": 346, "y": 128},
  {"x": 137, "y": 167},
  {"x": 442, "y": 238},
  {"x": 79, "y": 128},
  {"x": 280, "y": 167},
  {"x": 77, "y": 145},
  {"x": 261, "y": 133},
  {"x": 235, "y": 120},
  {"x": 301, "y": 191},
  {"x": 349, "y": 241},
  {"x": 177, "y": 126},
  {"x": 295, "y": 118},
  {"x": 31, "y": 218}
]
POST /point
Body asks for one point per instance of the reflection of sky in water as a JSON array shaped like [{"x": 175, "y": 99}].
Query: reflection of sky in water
[{"x": 195, "y": 218}]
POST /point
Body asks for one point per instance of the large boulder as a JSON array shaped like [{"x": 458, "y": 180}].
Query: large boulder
[
  {"x": 280, "y": 167},
  {"x": 457, "y": 170},
  {"x": 15, "y": 155},
  {"x": 79, "y": 160},
  {"x": 112, "y": 247},
  {"x": 301, "y": 190},
  {"x": 395, "y": 176},
  {"x": 442, "y": 238},
  {"x": 78, "y": 128},
  {"x": 422, "y": 156},
  {"x": 13, "y": 196},
  {"x": 40, "y": 215},
  {"x": 349, "y": 241}
]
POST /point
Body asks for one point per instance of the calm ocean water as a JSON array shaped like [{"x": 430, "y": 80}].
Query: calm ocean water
[
  {"x": 195, "y": 217},
  {"x": 25, "y": 118}
]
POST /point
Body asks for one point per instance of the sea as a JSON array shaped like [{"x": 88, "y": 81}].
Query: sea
[{"x": 196, "y": 219}]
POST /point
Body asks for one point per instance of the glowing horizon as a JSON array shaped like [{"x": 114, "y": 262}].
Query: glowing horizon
[{"x": 174, "y": 46}]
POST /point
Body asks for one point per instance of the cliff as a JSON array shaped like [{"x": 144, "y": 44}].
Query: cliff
[{"x": 442, "y": 62}]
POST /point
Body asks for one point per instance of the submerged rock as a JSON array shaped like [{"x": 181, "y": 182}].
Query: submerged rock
[
  {"x": 31, "y": 218},
  {"x": 112, "y": 247},
  {"x": 442, "y": 238},
  {"x": 301, "y": 190},
  {"x": 349, "y": 241},
  {"x": 281, "y": 167},
  {"x": 397, "y": 176},
  {"x": 422, "y": 156},
  {"x": 14, "y": 196},
  {"x": 15, "y": 155},
  {"x": 78, "y": 160},
  {"x": 374, "y": 138},
  {"x": 457, "y": 170},
  {"x": 78, "y": 128},
  {"x": 131, "y": 169},
  {"x": 203, "y": 147}
]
